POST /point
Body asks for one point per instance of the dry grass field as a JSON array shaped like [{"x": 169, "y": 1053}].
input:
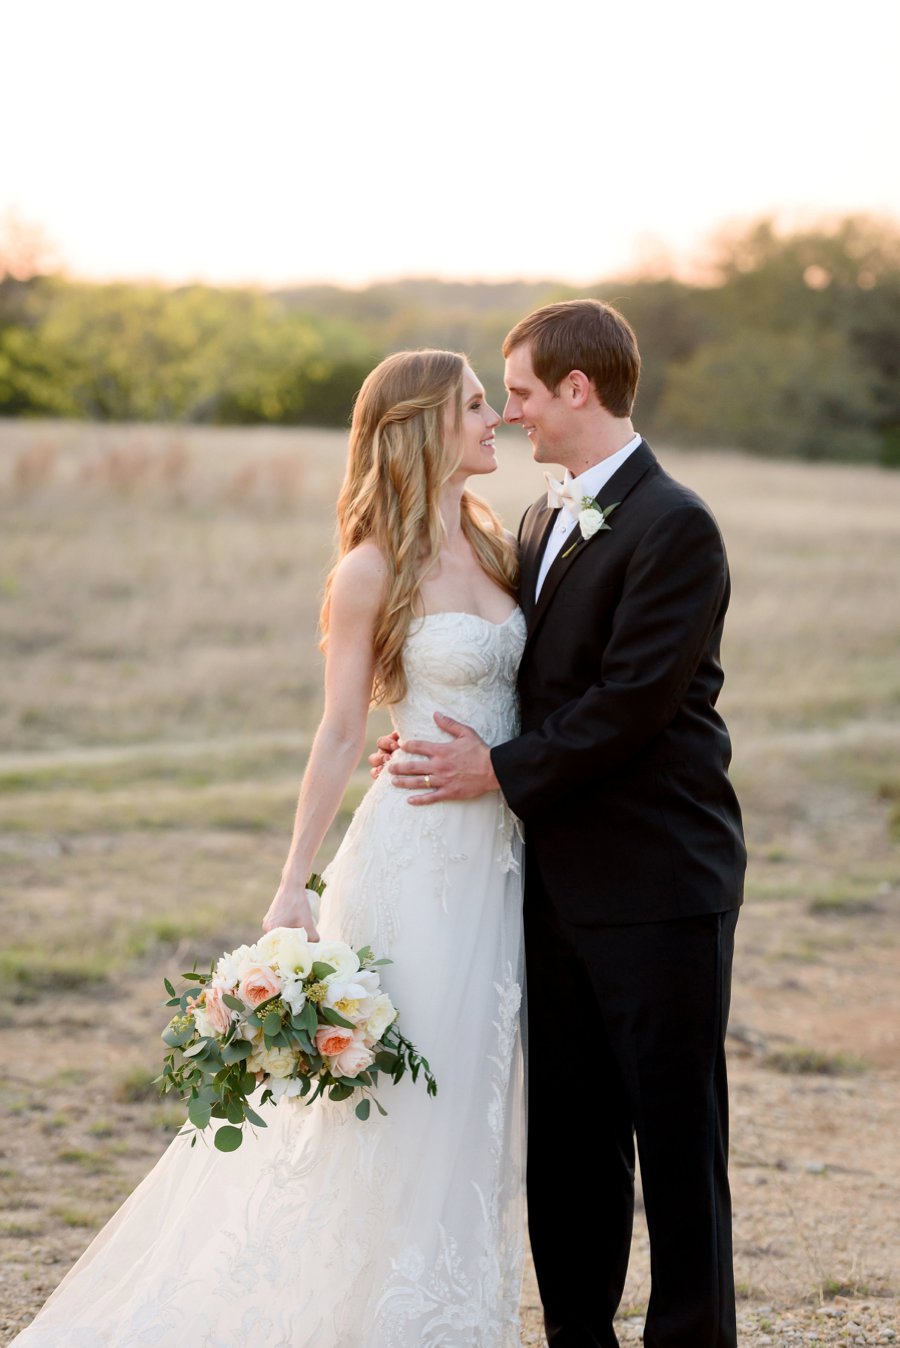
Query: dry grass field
[{"x": 159, "y": 682}]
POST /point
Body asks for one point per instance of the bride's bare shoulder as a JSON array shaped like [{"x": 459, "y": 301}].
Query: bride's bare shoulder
[{"x": 360, "y": 578}]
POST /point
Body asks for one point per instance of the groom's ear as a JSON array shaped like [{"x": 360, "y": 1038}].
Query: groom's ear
[{"x": 576, "y": 388}]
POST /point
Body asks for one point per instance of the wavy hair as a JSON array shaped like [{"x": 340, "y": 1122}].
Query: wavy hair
[{"x": 399, "y": 460}]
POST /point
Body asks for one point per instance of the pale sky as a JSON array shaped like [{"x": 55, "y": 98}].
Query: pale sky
[{"x": 284, "y": 141}]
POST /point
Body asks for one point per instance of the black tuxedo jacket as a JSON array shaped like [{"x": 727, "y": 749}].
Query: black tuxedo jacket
[{"x": 620, "y": 774}]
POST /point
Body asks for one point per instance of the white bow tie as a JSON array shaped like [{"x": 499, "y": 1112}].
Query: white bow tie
[{"x": 562, "y": 494}]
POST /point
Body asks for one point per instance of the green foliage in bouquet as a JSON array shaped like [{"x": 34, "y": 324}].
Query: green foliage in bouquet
[{"x": 223, "y": 1046}]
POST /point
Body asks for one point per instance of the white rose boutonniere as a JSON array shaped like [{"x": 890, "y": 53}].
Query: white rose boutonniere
[{"x": 591, "y": 519}]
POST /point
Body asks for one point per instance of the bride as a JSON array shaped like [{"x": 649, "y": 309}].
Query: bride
[{"x": 323, "y": 1231}]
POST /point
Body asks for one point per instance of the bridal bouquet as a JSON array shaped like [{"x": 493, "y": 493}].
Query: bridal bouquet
[{"x": 299, "y": 1018}]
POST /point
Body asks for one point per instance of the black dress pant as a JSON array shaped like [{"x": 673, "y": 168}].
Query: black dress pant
[{"x": 626, "y": 1030}]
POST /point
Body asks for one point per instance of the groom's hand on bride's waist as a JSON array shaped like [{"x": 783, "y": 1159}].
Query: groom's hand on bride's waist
[
  {"x": 382, "y": 755},
  {"x": 458, "y": 769}
]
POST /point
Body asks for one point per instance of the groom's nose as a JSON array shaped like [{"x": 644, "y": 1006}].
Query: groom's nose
[{"x": 511, "y": 411}]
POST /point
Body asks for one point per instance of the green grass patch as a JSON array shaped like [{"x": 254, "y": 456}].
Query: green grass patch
[
  {"x": 206, "y": 765},
  {"x": 258, "y": 808},
  {"x": 71, "y": 1216},
  {"x": 894, "y": 824},
  {"x": 770, "y": 888},
  {"x": 813, "y": 1062},
  {"x": 167, "y": 1118},
  {"x": 91, "y": 1162},
  {"x": 135, "y": 1086},
  {"x": 17, "y": 1229},
  {"x": 101, "y": 1128},
  {"x": 830, "y": 1288},
  {"x": 838, "y": 904},
  {"x": 27, "y": 974}
]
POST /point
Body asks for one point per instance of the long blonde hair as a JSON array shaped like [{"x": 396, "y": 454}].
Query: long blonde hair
[{"x": 399, "y": 460}]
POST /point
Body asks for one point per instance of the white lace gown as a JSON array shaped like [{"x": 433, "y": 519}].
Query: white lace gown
[{"x": 322, "y": 1231}]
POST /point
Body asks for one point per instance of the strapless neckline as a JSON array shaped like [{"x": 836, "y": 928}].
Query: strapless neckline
[{"x": 463, "y": 613}]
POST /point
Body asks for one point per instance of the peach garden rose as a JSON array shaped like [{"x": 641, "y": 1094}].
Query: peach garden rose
[{"x": 258, "y": 983}]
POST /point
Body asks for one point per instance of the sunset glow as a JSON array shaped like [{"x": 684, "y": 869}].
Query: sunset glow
[{"x": 292, "y": 142}]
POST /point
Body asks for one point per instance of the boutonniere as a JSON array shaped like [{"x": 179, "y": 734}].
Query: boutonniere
[{"x": 592, "y": 518}]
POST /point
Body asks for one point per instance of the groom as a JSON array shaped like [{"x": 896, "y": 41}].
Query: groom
[{"x": 634, "y": 850}]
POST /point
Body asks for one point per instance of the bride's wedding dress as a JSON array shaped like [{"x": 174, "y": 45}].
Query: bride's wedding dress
[{"x": 323, "y": 1231}]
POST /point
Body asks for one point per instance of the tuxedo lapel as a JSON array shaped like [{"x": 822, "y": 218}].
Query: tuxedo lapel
[
  {"x": 616, "y": 490},
  {"x": 537, "y": 530}
]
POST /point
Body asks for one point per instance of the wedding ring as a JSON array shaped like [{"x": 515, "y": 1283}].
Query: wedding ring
[{"x": 427, "y": 782}]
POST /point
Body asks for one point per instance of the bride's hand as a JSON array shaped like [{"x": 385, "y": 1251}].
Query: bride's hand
[
  {"x": 386, "y": 746},
  {"x": 290, "y": 908}
]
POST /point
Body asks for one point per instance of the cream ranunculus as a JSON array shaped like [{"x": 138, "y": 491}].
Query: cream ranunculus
[
  {"x": 339, "y": 955},
  {"x": 288, "y": 949},
  {"x": 589, "y": 522},
  {"x": 382, "y": 1015}
]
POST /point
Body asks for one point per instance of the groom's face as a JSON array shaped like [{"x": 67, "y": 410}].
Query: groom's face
[{"x": 544, "y": 416}]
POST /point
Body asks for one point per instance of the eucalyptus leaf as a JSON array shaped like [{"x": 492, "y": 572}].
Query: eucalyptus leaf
[
  {"x": 199, "y": 1113},
  {"x": 272, "y": 1025},
  {"x": 228, "y": 1138},
  {"x": 321, "y": 969},
  {"x": 362, "y": 1109},
  {"x": 233, "y": 1003},
  {"x": 335, "y": 1018},
  {"x": 197, "y": 1048},
  {"x": 236, "y": 1051}
]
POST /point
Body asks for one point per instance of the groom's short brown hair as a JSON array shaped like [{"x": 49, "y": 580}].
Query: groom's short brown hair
[{"x": 584, "y": 335}]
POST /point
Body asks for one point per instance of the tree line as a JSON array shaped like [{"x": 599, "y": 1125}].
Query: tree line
[{"x": 788, "y": 346}]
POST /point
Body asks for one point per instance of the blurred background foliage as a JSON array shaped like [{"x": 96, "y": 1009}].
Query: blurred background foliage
[{"x": 788, "y": 345}]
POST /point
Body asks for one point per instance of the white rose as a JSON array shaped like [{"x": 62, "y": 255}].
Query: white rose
[
  {"x": 383, "y": 1014},
  {"x": 284, "y": 1090},
  {"x": 589, "y": 521},
  {"x": 278, "y": 1062},
  {"x": 228, "y": 968},
  {"x": 288, "y": 949},
  {"x": 339, "y": 955}
]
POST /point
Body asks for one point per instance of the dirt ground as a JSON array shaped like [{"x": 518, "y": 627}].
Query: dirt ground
[
  {"x": 153, "y": 720},
  {"x": 814, "y": 1155}
]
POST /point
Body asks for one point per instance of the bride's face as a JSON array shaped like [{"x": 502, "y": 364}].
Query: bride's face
[{"x": 476, "y": 435}]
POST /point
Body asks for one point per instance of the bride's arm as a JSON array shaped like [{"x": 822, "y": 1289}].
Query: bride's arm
[{"x": 339, "y": 741}]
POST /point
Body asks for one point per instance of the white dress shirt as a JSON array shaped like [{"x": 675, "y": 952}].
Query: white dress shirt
[{"x": 589, "y": 483}]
